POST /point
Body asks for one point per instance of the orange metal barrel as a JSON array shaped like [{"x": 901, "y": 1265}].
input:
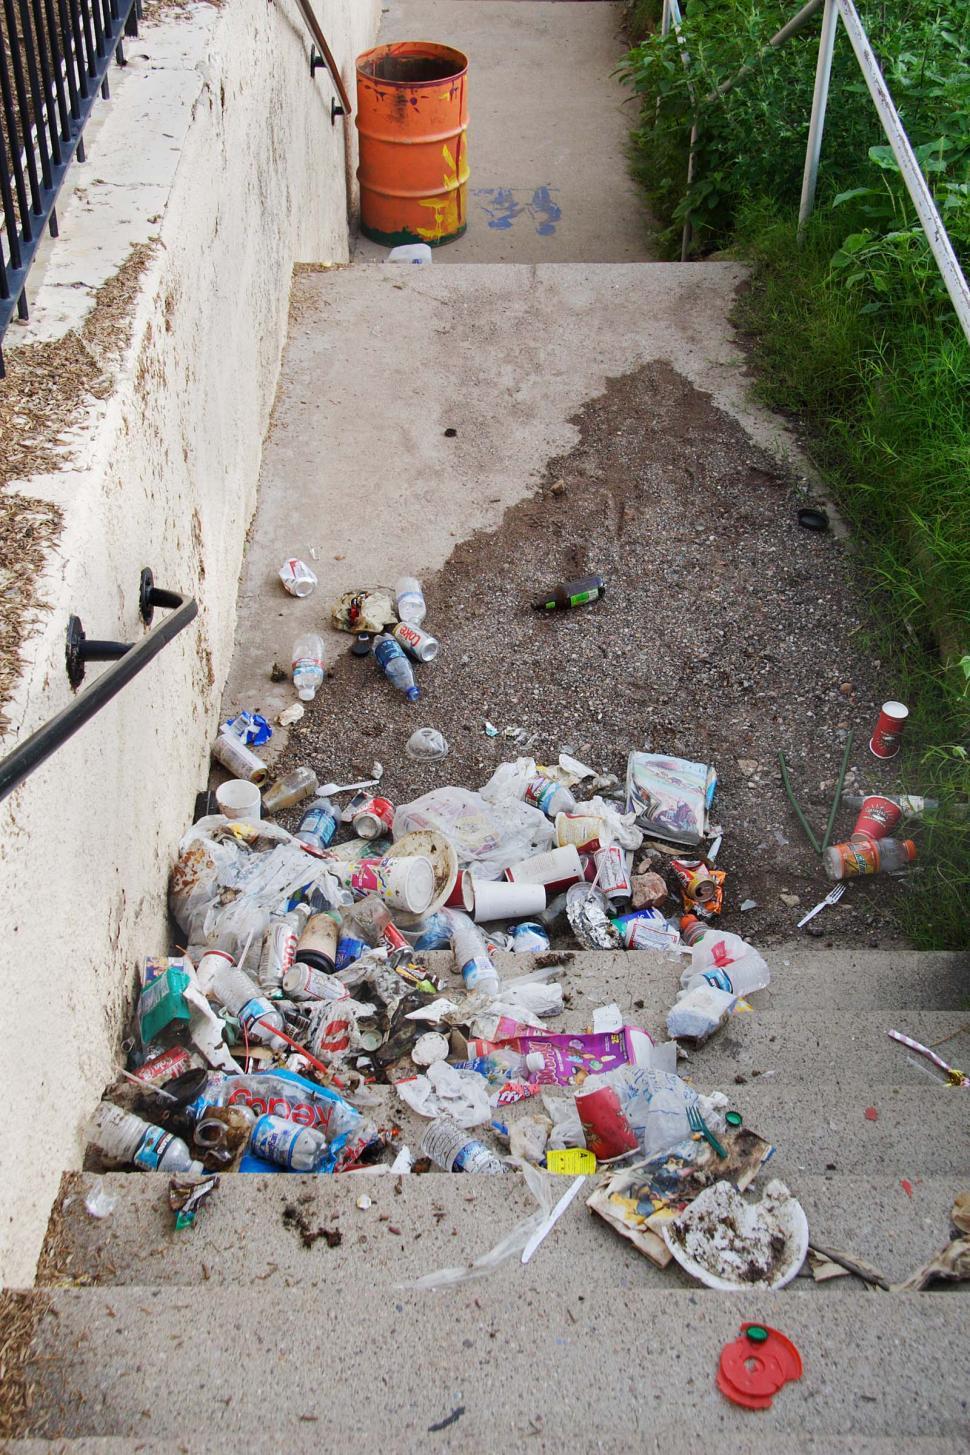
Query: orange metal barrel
[{"x": 412, "y": 115}]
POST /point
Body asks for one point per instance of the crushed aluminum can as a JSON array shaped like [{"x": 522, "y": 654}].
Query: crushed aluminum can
[{"x": 297, "y": 578}]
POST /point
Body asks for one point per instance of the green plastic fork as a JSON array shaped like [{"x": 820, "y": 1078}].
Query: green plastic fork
[{"x": 697, "y": 1124}]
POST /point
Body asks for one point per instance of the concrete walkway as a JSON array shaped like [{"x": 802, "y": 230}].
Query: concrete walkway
[{"x": 548, "y": 130}]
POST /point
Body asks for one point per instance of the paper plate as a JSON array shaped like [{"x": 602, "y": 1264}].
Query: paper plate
[
  {"x": 790, "y": 1217},
  {"x": 429, "y": 844}
]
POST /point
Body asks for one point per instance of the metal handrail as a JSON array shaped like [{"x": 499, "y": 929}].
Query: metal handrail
[
  {"x": 16, "y": 766},
  {"x": 909, "y": 168},
  {"x": 319, "y": 39}
]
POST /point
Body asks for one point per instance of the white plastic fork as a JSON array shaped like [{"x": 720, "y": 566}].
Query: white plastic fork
[{"x": 833, "y": 897}]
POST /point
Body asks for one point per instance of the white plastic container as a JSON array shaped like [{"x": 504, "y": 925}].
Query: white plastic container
[
  {"x": 471, "y": 951},
  {"x": 726, "y": 962},
  {"x": 410, "y": 253},
  {"x": 298, "y": 1149},
  {"x": 410, "y": 600},
  {"x": 240, "y": 996},
  {"x": 307, "y": 661}
]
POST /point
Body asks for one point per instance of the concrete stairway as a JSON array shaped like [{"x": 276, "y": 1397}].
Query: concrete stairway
[{"x": 214, "y": 1336}]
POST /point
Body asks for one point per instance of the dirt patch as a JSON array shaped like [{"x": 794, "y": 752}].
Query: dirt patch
[
  {"x": 727, "y": 633},
  {"x": 46, "y": 388}
]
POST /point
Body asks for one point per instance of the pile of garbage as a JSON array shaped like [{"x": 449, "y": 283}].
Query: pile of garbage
[{"x": 310, "y": 1022}]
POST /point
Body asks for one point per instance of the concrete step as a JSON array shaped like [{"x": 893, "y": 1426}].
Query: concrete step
[
  {"x": 801, "y": 978},
  {"x": 419, "y": 1224},
  {"x": 499, "y": 1362},
  {"x": 749, "y": 1443}
]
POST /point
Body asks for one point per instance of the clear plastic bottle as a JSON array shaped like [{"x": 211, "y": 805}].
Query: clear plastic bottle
[
  {"x": 452, "y": 1148},
  {"x": 726, "y": 962},
  {"x": 308, "y": 670},
  {"x": 298, "y": 1149},
  {"x": 125, "y": 1137},
  {"x": 868, "y": 856},
  {"x": 240, "y": 996},
  {"x": 410, "y": 600},
  {"x": 395, "y": 666},
  {"x": 291, "y": 789},
  {"x": 319, "y": 824},
  {"x": 471, "y": 951}
]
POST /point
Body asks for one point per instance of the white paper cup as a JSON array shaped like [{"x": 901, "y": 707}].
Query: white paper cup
[
  {"x": 239, "y": 799},
  {"x": 406, "y": 883},
  {"x": 556, "y": 869},
  {"x": 500, "y": 899}
]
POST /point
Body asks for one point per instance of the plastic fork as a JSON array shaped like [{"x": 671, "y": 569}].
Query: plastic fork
[
  {"x": 833, "y": 897},
  {"x": 697, "y": 1124}
]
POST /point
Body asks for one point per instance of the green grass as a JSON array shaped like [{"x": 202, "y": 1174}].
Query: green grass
[{"x": 854, "y": 331}]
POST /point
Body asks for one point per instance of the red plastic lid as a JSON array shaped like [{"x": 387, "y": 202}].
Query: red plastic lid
[{"x": 753, "y": 1369}]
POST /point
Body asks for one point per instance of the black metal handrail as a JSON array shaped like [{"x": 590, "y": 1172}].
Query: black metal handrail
[
  {"x": 54, "y": 59},
  {"x": 130, "y": 660}
]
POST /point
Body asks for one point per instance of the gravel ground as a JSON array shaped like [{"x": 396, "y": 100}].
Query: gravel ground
[{"x": 728, "y": 633}]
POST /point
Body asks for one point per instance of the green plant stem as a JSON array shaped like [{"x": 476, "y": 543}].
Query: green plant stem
[
  {"x": 838, "y": 793},
  {"x": 794, "y": 803}
]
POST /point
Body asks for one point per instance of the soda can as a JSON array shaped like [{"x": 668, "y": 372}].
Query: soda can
[
  {"x": 888, "y": 731},
  {"x": 374, "y": 817},
  {"x": 612, "y": 872},
  {"x": 695, "y": 879},
  {"x": 878, "y": 817},
  {"x": 349, "y": 950},
  {"x": 241, "y": 761},
  {"x": 297, "y": 578},
  {"x": 529, "y": 938},
  {"x": 393, "y": 938},
  {"x": 419, "y": 644},
  {"x": 278, "y": 954},
  {"x": 171, "y": 1063}
]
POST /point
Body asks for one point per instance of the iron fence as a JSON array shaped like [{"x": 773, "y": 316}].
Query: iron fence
[{"x": 54, "y": 60}]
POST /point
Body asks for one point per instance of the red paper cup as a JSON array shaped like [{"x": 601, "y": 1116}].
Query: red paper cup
[
  {"x": 888, "y": 732},
  {"x": 608, "y": 1133},
  {"x": 878, "y": 817},
  {"x": 463, "y": 894}
]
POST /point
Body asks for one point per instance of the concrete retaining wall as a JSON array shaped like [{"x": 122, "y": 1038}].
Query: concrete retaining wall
[{"x": 217, "y": 151}]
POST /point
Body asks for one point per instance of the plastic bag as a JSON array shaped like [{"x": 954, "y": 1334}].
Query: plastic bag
[
  {"x": 621, "y": 826},
  {"x": 655, "y": 1105},
  {"x": 509, "y": 781},
  {"x": 447, "y": 1091},
  {"x": 369, "y": 609},
  {"x": 487, "y": 836},
  {"x": 567, "y": 1129},
  {"x": 670, "y": 797},
  {"x": 545, "y": 1188}
]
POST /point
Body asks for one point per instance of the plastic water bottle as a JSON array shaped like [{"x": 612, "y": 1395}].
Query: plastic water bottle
[
  {"x": 726, "y": 962},
  {"x": 410, "y": 600},
  {"x": 319, "y": 824},
  {"x": 395, "y": 666},
  {"x": 234, "y": 990},
  {"x": 298, "y": 1149},
  {"x": 471, "y": 951},
  {"x": 124, "y": 1137},
  {"x": 308, "y": 670}
]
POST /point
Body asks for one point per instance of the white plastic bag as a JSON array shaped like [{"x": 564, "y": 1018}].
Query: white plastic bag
[
  {"x": 487, "y": 836},
  {"x": 447, "y": 1091}
]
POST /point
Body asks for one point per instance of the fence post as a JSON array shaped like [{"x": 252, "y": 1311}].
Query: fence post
[{"x": 823, "y": 71}]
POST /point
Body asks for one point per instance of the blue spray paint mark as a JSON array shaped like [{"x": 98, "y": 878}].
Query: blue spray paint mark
[
  {"x": 544, "y": 211},
  {"x": 502, "y": 209}
]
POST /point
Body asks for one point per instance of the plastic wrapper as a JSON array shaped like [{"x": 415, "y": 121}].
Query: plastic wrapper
[
  {"x": 285, "y": 1094},
  {"x": 369, "y": 609},
  {"x": 697, "y": 1013},
  {"x": 509, "y": 781},
  {"x": 567, "y": 1129},
  {"x": 445, "y": 1090},
  {"x": 545, "y": 1188},
  {"x": 528, "y": 1137},
  {"x": 654, "y": 1104},
  {"x": 487, "y": 836},
  {"x": 670, "y": 797},
  {"x": 622, "y": 828}
]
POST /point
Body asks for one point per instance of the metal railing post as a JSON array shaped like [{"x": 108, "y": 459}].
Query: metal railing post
[
  {"x": 823, "y": 72},
  {"x": 915, "y": 182}
]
